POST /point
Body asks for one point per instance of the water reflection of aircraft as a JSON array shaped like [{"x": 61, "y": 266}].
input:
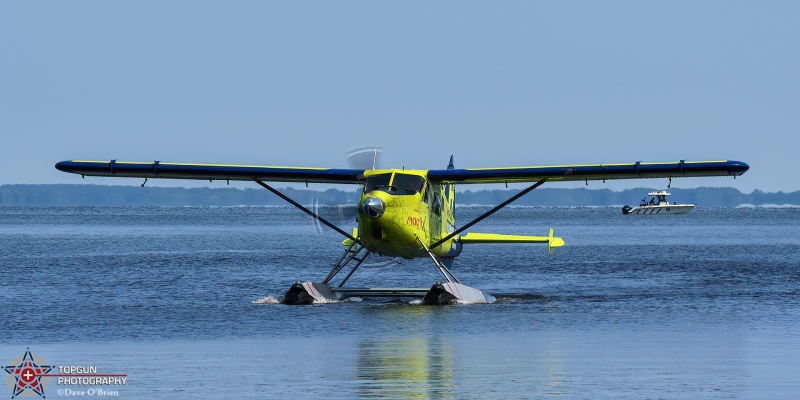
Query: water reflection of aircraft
[
  {"x": 405, "y": 213},
  {"x": 422, "y": 366}
]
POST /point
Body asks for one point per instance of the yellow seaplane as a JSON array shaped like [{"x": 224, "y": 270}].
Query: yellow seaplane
[{"x": 405, "y": 213}]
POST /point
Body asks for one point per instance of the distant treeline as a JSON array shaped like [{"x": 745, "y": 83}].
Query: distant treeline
[
  {"x": 705, "y": 197},
  {"x": 100, "y": 195}
]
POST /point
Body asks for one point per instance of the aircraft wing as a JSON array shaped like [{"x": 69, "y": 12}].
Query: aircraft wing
[
  {"x": 169, "y": 170},
  {"x": 587, "y": 172}
]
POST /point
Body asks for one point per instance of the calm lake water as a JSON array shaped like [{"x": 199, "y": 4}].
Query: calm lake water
[{"x": 182, "y": 300}]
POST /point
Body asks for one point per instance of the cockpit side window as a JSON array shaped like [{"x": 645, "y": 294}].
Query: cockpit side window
[{"x": 437, "y": 204}]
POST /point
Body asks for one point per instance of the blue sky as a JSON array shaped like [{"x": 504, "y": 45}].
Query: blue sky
[{"x": 495, "y": 83}]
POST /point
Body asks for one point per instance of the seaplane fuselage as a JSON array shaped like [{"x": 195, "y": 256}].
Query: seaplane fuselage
[{"x": 400, "y": 210}]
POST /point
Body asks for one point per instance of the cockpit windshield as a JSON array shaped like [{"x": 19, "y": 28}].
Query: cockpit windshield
[
  {"x": 407, "y": 184},
  {"x": 377, "y": 182},
  {"x": 402, "y": 183}
]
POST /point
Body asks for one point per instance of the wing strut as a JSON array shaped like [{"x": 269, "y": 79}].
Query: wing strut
[
  {"x": 488, "y": 213},
  {"x": 307, "y": 211}
]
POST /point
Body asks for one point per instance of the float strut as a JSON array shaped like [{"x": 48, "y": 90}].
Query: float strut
[
  {"x": 442, "y": 268},
  {"x": 349, "y": 255}
]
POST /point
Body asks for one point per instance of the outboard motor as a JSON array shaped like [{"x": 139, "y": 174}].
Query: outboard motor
[{"x": 626, "y": 209}]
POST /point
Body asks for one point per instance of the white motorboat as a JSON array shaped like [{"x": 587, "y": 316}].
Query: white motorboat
[{"x": 658, "y": 204}]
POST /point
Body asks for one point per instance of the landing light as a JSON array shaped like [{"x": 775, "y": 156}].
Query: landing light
[{"x": 373, "y": 207}]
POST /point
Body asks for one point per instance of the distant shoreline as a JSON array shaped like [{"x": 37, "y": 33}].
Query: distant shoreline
[{"x": 68, "y": 195}]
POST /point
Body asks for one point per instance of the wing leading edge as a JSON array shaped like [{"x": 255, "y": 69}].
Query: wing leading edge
[
  {"x": 168, "y": 170},
  {"x": 583, "y": 172}
]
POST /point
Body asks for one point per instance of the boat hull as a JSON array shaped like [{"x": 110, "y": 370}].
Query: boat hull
[{"x": 658, "y": 209}]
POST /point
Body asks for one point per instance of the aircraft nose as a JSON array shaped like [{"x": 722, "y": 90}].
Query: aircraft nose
[{"x": 373, "y": 207}]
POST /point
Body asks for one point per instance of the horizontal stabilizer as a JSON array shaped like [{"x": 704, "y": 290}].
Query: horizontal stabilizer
[{"x": 474, "y": 237}]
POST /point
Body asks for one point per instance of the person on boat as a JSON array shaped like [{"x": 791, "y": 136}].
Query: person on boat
[
  {"x": 643, "y": 202},
  {"x": 652, "y": 201}
]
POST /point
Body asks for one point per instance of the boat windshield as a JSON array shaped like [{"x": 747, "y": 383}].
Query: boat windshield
[{"x": 402, "y": 183}]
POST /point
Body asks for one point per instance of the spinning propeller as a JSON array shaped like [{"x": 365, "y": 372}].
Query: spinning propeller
[{"x": 365, "y": 157}]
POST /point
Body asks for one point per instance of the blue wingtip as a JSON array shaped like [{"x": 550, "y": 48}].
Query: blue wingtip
[
  {"x": 451, "y": 165},
  {"x": 63, "y": 166},
  {"x": 738, "y": 167}
]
